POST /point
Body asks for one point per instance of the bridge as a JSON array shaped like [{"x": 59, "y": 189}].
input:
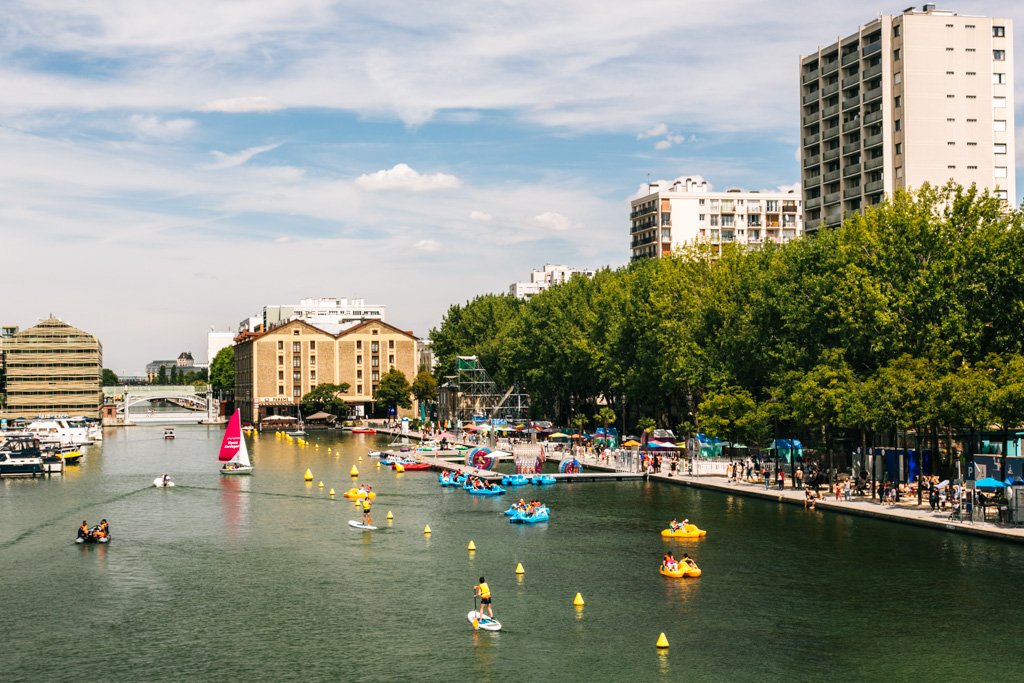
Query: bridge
[{"x": 135, "y": 404}]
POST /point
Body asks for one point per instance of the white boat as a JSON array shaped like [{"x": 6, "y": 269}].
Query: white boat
[
  {"x": 233, "y": 452},
  {"x": 67, "y": 432},
  {"x": 300, "y": 427},
  {"x": 21, "y": 457},
  {"x": 163, "y": 482},
  {"x": 168, "y": 433}
]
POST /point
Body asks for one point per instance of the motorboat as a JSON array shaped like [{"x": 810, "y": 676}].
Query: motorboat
[
  {"x": 65, "y": 431},
  {"x": 168, "y": 433},
  {"x": 163, "y": 482},
  {"x": 21, "y": 456}
]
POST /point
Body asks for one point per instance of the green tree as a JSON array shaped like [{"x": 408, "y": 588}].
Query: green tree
[
  {"x": 222, "y": 370},
  {"x": 161, "y": 375},
  {"x": 109, "y": 378},
  {"x": 605, "y": 416},
  {"x": 578, "y": 422},
  {"x": 424, "y": 387},
  {"x": 393, "y": 390},
  {"x": 326, "y": 398},
  {"x": 175, "y": 375}
]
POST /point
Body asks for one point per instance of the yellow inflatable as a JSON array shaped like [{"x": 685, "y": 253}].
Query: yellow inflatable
[
  {"x": 356, "y": 494},
  {"x": 682, "y": 569},
  {"x": 685, "y": 531}
]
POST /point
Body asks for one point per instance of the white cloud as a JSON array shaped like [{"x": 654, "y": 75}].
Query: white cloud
[
  {"x": 428, "y": 246},
  {"x": 555, "y": 222},
  {"x": 655, "y": 131},
  {"x": 481, "y": 216},
  {"x": 224, "y": 160},
  {"x": 404, "y": 177},
  {"x": 792, "y": 187},
  {"x": 155, "y": 127},
  {"x": 242, "y": 105}
]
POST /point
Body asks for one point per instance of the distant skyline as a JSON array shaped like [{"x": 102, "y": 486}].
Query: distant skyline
[{"x": 172, "y": 167}]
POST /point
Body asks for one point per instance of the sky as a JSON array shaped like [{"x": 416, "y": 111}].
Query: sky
[{"x": 168, "y": 168}]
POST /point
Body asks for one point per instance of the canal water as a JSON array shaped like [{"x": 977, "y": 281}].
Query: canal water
[{"x": 261, "y": 578}]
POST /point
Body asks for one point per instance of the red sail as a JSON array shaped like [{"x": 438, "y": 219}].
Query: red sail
[{"x": 232, "y": 438}]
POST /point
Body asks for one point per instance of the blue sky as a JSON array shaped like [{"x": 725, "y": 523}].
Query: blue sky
[{"x": 169, "y": 167}]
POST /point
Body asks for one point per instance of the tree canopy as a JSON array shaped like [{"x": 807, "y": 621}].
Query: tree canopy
[
  {"x": 222, "y": 370},
  {"x": 393, "y": 390},
  {"x": 110, "y": 378},
  {"x": 327, "y": 398}
]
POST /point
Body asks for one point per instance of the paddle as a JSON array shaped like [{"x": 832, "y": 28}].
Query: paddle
[{"x": 476, "y": 614}]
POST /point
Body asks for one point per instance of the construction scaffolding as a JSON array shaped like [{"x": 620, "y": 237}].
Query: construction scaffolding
[{"x": 471, "y": 393}]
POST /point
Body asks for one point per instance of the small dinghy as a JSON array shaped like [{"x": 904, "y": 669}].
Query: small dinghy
[{"x": 163, "y": 482}]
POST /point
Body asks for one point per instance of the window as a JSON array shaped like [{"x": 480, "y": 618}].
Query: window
[
  {"x": 359, "y": 374},
  {"x": 950, "y": 120},
  {"x": 359, "y": 344},
  {"x": 391, "y": 360},
  {"x": 998, "y": 31},
  {"x": 391, "y": 343},
  {"x": 312, "y": 360},
  {"x": 312, "y": 376},
  {"x": 280, "y": 360},
  {"x": 280, "y": 391},
  {"x": 972, "y": 97},
  {"x": 950, "y": 143},
  {"x": 951, "y": 167},
  {"x": 359, "y": 389},
  {"x": 312, "y": 344},
  {"x": 297, "y": 392},
  {"x": 899, "y": 124},
  {"x": 296, "y": 376},
  {"x": 359, "y": 360},
  {"x": 295, "y": 331},
  {"x": 972, "y": 168},
  {"x": 972, "y": 73},
  {"x": 971, "y": 49},
  {"x": 897, "y": 101},
  {"x": 374, "y": 347},
  {"x": 374, "y": 331},
  {"x": 972, "y": 120},
  {"x": 375, "y": 376},
  {"x": 999, "y": 126},
  {"x": 296, "y": 347},
  {"x": 950, "y": 96},
  {"x": 374, "y": 361},
  {"x": 1002, "y": 194},
  {"x": 949, "y": 49},
  {"x": 999, "y": 172},
  {"x": 703, "y": 217},
  {"x": 296, "y": 362},
  {"x": 280, "y": 345},
  {"x": 280, "y": 375},
  {"x": 999, "y": 78},
  {"x": 899, "y": 148},
  {"x": 896, "y": 31},
  {"x": 896, "y": 55},
  {"x": 999, "y": 102},
  {"x": 972, "y": 144},
  {"x": 999, "y": 55},
  {"x": 949, "y": 73},
  {"x": 714, "y": 219}
]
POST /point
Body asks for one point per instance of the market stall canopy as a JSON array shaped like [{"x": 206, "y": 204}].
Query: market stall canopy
[
  {"x": 322, "y": 416},
  {"x": 280, "y": 418},
  {"x": 632, "y": 443},
  {"x": 989, "y": 483},
  {"x": 558, "y": 435}
]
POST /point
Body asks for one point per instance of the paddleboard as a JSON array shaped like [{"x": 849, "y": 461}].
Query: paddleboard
[
  {"x": 486, "y": 623},
  {"x": 360, "y": 525}
]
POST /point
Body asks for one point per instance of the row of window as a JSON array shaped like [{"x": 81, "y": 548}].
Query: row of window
[{"x": 297, "y": 346}]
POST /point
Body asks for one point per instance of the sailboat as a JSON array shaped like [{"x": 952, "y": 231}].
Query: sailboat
[
  {"x": 233, "y": 452},
  {"x": 300, "y": 430}
]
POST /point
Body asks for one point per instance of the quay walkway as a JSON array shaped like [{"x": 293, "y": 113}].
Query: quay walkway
[{"x": 905, "y": 512}]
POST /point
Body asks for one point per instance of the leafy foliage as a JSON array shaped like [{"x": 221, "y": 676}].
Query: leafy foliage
[
  {"x": 222, "y": 370},
  {"x": 393, "y": 390},
  {"x": 327, "y": 398}
]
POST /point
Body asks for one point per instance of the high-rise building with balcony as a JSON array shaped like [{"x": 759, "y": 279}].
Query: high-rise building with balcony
[
  {"x": 50, "y": 369},
  {"x": 923, "y": 96},
  {"x": 544, "y": 278},
  {"x": 686, "y": 212}
]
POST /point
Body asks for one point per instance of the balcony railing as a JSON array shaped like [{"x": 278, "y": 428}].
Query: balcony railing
[
  {"x": 873, "y": 94},
  {"x": 810, "y": 76},
  {"x": 852, "y": 169}
]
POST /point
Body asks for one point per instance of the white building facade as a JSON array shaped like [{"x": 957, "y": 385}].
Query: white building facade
[
  {"x": 544, "y": 278},
  {"x": 687, "y": 212},
  {"x": 923, "y": 96},
  {"x": 215, "y": 341},
  {"x": 329, "y": 314}
]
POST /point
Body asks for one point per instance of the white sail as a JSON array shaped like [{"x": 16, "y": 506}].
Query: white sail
[{"x": 242, "y": 456}]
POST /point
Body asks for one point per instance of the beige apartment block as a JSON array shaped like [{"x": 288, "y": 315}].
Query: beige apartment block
[
  {"x": 923, "y": 96},
  {"x": 50, "y": 369},
  {"x": 276, "y": 368},
  {"x": 687, "y": 212}
]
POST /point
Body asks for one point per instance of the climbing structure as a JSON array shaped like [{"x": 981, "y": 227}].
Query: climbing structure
[{"x": 471, "y": 392}]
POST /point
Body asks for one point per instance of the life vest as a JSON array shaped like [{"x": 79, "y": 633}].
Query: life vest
[
  {"x": 366, "y": 504},
  {"x": 485, "y": 591}
]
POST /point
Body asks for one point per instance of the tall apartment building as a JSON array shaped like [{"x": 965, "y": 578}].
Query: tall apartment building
[
  {"x": 544, "y": 278},
  {"x": 923, "y": 96},
  {"x": 686, "y": 212},
  {"x": 50, "y": 369},
  {"x": 326, "y": 313},
  {"x": 274, "y": 369}
]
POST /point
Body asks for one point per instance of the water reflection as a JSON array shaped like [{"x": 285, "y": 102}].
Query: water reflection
[{"x": 234, "y": 496}]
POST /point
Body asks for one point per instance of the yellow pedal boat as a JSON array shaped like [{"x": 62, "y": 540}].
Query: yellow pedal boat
[
  {"x": 682, "y": 570},
  {"x": 685, "y": 531},
  {"x": 356, "y": 494}
]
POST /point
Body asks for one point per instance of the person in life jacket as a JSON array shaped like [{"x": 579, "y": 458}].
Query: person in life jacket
[
  {"x": 365, "y": 502},
  {"x": 484, "y": 591},
  {"x": 83, "y": 530}
]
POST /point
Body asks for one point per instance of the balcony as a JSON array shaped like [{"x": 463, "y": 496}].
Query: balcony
[
  {"x": 872, "y": 141},
  {"x": 872, "y": 48},
  {"x": 874, "y": 186},
  {"x": 831, "y": 176},
  {"x": 831, "y": 154},
  {"x": 849, "y": 58},
  {"x": 851, "y": 192},
  {"x": 830, "y": 132},
  {"x": 830, "y": 111},
  {"x": 811, "y": 97},
  {"x": 851, "y": 148},
  {"x": 810, "y": 76},
  {"x": 851, "y": 102},
  {"x": 812, "y": 139},
  {"x": 852, "y": 124},
  {"x": 873, "y": 94},
  {"x": 851, "y": 170},
  {"x": 831, "y": 198},
  {"x": 872, "y": 164},
  {"x": 812, "y": 160},
  {"x": 811, "y": 118},
  {"x": 872, "y": 117},
  {"x": 811, "y": 181},
  {"x": 851, "y": 80},
  {"x": 828, "y": 67},
  {"x": 813, "y": 202},
  {"x": 830, "y": 89},
  {"x": 872, "y": 71},
  {"x": 789, "y": 207}
]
